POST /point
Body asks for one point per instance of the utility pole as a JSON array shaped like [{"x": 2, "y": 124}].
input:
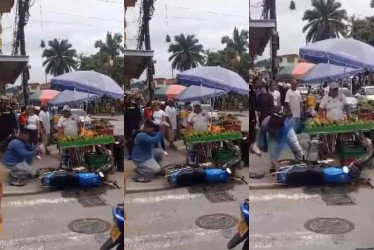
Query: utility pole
[
  {"x": 23, "y": 15},
  {"x": 147, "y": 15},
  {"x": 274, "y": 39}
]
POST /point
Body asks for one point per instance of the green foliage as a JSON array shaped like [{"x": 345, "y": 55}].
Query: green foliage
[
  {"x": 60, "y": 57},
  {"x": 325, "y": 20},
  {"x": 363, "y": 30},
  {"x": 186, "y": 52}
]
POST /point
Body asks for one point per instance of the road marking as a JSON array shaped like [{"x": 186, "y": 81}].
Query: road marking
[
  {"x": 176, "y": 239},
  {"x": 36, "y": 202},
  {"x": 60, "y": 241},
  {"x": 271, "y": 197},
  {"x": 252, "y": 198},
  {"x": 162, "y": 198}
]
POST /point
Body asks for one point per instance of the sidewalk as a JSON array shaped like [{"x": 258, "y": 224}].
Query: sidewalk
[
  {"x": 34, "y": 186},
  {"x": 160, "y": 183}
]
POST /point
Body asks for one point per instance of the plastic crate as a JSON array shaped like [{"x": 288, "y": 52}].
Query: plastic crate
[
  {"x": 223, "y": 155},
  {"x": 349, "y": 153},
  {"x": 95, "y": 160}
]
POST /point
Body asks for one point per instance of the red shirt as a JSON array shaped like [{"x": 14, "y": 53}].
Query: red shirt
[{"x": 148, "y": 113}]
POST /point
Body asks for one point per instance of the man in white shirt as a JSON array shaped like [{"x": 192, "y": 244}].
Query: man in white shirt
[
  {"x": 199, "y": 119},
  {"x": 276, "y": 95},
  {"x": 171, "y": 116},
  {"x": 45, "y": 121},
  {"x": 334, "y": 103},
  {"x": 69, "y": 124},
  {"x": 293, "y": 103}
]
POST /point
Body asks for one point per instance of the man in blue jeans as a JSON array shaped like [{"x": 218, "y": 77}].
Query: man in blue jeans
[
  {"x": 19, "y": 153},
  {"x": 144, "y": 155}
]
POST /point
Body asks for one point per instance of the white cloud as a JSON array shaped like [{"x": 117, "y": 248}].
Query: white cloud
[{"x": 82, "y": 22}]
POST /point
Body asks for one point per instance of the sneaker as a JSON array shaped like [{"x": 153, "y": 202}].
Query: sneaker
[{"x": 256, "y": 150}]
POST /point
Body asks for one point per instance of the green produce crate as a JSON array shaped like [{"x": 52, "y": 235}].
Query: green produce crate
[
  {"x": 90, "y": 142},
  {"x": 95, "y": 160},
  {"x": 223, "y": 155},
  {"x": 202, "y": 139},
  {"x": 341, "y": 128},
  {"x": 346, "y": 152}
]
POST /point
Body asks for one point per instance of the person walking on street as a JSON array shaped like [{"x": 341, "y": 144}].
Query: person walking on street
[
  {"x": 171, "y": 116},
  {"x": 264, "y": 103},
  {"x": 276, "y": 94},
  {"x": 158, "y": 116},
  {"x": 33, "y": 126},
  {"x": 45, "y": 122},
  {"x": 293, "y": 104}
]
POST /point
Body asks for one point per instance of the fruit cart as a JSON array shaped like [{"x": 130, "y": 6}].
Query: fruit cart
[
  {"x": 87, "y": 152},
  {"x": 347, "y": 149},
  {"x": 214, "y": 145}
]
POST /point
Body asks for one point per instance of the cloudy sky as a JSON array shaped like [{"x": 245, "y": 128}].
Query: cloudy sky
[
  {"x": 208, "y": 20},
  {"x": 81, "y": 22},
  {"x": 290, "y": 24}
]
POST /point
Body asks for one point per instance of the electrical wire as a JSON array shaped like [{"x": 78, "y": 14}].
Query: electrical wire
[{"x": 89, "y": 17}]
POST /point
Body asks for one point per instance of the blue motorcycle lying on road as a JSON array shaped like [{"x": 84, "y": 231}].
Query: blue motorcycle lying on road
[
  {"x": 243, "y": 230},
  {"x": 117, "y": 230}
]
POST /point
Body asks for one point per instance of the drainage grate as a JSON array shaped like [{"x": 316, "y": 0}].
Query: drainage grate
[
  {"x": 216, "y": 221},
  {"x": 337, "y": 199},
  {"x": 329, "y": 225},
  {"x": 89, "y": 226},
  {"x": 92, "y": 201},
  {"x": 216, "y": 197}
]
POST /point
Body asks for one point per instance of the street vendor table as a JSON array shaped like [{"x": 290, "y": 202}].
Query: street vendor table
[
  {"x": 191, "y": 142},
  {"x": 336, "y": 130},
  {"x": 80, "y": 148}
]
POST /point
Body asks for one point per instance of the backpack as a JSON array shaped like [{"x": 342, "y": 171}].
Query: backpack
[{"x": 6, "y": 142}]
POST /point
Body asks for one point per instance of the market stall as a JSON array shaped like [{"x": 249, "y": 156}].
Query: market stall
[{"x": 339, "y": 137}]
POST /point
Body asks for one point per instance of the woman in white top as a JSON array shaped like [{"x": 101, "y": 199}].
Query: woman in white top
[
  {"x": 158, "y": 116},
  {"x": 33, "y": 125}
]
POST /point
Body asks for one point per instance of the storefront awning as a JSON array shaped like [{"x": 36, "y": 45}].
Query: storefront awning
[
  {"x": 260, "y": 32},
  {"x": 11, "y": 67},
  {"x": 6, "y": 5},
  {"x": 135, "y": 63}
]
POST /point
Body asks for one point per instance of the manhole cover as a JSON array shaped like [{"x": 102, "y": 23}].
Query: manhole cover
[
  {"x": 91, "y": 201},
  {"x": 216, "y": 197},
  {"x": 337, "y": 199},
  {"x": 89, "y": 226},
  {"x": 329, "y": 225},
  {"x": 216, "y": 221}
]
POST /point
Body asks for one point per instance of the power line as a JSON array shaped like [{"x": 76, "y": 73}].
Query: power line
[
  {"x": 90, "y": 17},
  {"x": 205, "y": 11},
  {"x": 110, "y": 1},
  {"x": 72, "y": 24}
]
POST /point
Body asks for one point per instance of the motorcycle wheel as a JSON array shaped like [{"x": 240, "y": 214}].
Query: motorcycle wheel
[{"x": 246, "y": 245}]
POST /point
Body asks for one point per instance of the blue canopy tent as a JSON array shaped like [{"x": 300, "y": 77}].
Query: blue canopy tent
[
  {"x": 346, "y": 52},
  {"x": 214, "y": 77},
  {"x": 198, "y": 93},
  {"x": 328, "y": 72},
  {"x": 89, "y": 82},
  {"x": 67, "y": 97}
]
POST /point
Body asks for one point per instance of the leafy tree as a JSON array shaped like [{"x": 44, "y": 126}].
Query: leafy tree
[
  {"x": 325, "y": 20},
  {"x": 60, "y": 57},
  {"x": 363, "y": 30},
  {"x": 112, "y": 45},
  {"x": 238, "y": 43},
  {"x": 186, "y": 52}
]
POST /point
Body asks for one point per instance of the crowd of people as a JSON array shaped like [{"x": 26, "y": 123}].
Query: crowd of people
[
  {"x": 275, "y": 115},
  {"x": 146, "y": 130}
]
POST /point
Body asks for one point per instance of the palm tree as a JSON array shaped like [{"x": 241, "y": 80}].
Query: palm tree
[
  {"x": 112, "y": 45},
  {"x": 325, "y": 20},
  {"x": 186, "y": 52},
  {"x": 238, "y": 43},
  {"x": 60, "y": 57}
]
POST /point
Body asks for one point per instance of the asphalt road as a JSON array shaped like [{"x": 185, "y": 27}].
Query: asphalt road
[
  {"x": 166, "y": 220},
  {"x": 41, "y": 221},
  {"x": 278, "y": 217}
]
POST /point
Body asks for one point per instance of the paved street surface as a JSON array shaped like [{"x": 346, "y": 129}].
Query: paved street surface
[
  {"x": 166, "y": 220},
  {"x": 277, "y": 219},
  {"x": 37, "y": 222}
]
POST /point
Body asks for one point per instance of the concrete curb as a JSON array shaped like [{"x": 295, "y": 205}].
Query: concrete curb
[{"x": 28, "y": 192}]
